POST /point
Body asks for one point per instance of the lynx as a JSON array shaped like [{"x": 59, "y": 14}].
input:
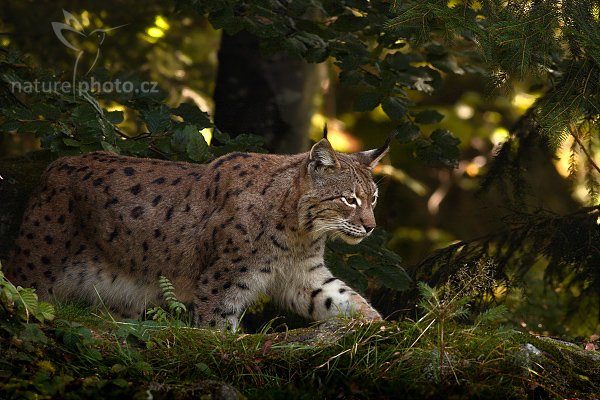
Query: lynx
[{"x": 105, "y": 227}]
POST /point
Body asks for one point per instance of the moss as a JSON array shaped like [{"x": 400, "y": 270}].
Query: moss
[
  {"x": 565, "y": 368},
  {"x": 86, "y": 356},
  {"x": 347, "y": 359}
]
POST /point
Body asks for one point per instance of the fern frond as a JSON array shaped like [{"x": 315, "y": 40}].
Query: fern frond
[{"x": 174, "y": 305}]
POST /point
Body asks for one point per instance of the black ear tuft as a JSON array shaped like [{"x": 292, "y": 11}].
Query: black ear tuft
[
  {"x": 371, "y": 158},
  {"x": 325, "y": 131}
]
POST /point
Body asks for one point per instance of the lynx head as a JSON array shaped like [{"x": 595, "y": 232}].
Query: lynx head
[{"x": 342, "y": 194}]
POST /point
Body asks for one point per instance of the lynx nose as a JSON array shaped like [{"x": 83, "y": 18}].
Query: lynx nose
[{"x": 368, "y": 228}]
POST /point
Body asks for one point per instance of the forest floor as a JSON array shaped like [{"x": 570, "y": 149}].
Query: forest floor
[{"x": 83, "y": 353}]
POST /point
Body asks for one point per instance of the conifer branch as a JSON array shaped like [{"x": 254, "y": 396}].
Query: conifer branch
[{"x": 588, "y": 155}]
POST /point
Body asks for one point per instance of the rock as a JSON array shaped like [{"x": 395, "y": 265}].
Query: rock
[{"x": 207, "y": 389}]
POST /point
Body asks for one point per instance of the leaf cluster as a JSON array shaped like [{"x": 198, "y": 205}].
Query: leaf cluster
[
  {"x": 355, "y": 264},
  {"x": 378, "y": 63},
  {"x": 22, "y": 303},
  {"x": 83, "y": 121}
]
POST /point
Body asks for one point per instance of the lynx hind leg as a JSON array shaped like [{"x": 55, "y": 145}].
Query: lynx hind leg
[
  {"x": 213, "y": 310},
  {"x": 93, "y": 279},
  {"x": 221, "y": 299}
]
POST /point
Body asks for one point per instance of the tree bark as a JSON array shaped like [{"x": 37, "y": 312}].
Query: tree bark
[{"x": 270, "y": 96}]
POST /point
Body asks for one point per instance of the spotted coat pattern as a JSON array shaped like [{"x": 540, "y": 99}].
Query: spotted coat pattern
[{"x": 105, "y": 227}]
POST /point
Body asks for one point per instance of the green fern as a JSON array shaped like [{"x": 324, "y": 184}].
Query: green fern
[
  {"x": 176, "y": 309},
  {"x": 175, "y": 306},
  {"x": 158, "y": 314}
]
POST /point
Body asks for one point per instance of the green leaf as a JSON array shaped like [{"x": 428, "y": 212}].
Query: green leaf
[
  {"x": 115, "y": 117},
  {"x": 28, "y": 303},
  {"x": 358, "y": 263},
  {"x": 190, "y": 141},
  {"x": 46, "y": 128},
  {"x": 164, "y": 145},
  {"x": 351, "y": 276},
  {"x": 71, "y": 142},
  {"x": 392, "y": 276},
  {"x": 406, "y": 132},
  {"x": 109, "y": 147},
  {"x": 203, "y": 368},
  {"x": 133, "y": 146},
  {"x": 108, "y": 130},
  {"x": 84, "y": 114},
  {"x": 394, "y": 107},
  {"x": 45, "y": 311},
  {"x": 32, "y": 334},
  {"x": 120, "y": 382},
  {"x": 440, "y": 149},
  {"x": 158, "y": 119},
  {"x": 428, "y": 117},
  {"x": 367, "y": 101},
  {"x": 193, "y": 115},
  {"x": 243, "y": 142}
]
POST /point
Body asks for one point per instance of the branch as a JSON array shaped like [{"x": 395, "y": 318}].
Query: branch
[{"x": 589, "y": 157}]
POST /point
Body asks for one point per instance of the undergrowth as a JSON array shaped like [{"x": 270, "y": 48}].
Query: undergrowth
[{"x": 441, "y": 355}]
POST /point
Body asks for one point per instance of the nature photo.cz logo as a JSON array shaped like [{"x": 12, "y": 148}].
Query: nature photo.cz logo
[
  {"x": 67, "y": 32},
  {"x": 72, "y": 24}
]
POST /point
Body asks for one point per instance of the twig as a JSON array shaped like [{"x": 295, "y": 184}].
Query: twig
[{"x": 589, "y": 157}]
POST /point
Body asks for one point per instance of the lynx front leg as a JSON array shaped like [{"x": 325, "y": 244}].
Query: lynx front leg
[{"x": 318, "y": 295}]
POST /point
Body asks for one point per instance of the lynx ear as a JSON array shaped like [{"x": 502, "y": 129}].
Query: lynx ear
[
  {"x": 323, "y": 156},
  {"x": 371, "y": 158}
]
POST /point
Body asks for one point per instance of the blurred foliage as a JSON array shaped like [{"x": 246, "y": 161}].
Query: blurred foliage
[
  {"x": 566, "y": 244},
  {"x": 457, "y": 81}
]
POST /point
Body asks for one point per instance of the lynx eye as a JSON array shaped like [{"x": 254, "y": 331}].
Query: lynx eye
[{"x": 350, "y": 201}]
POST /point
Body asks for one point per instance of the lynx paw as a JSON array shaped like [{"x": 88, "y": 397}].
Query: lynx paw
[
  {"x": 364, "y": 309},
  {"x": 368, "y": 313}
]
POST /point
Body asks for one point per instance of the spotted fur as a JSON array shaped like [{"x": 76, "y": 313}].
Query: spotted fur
[{"x": 106, "y": 227}]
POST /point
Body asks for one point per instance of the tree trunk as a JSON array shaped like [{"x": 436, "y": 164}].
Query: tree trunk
[{"x": 270, "y": 96}]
